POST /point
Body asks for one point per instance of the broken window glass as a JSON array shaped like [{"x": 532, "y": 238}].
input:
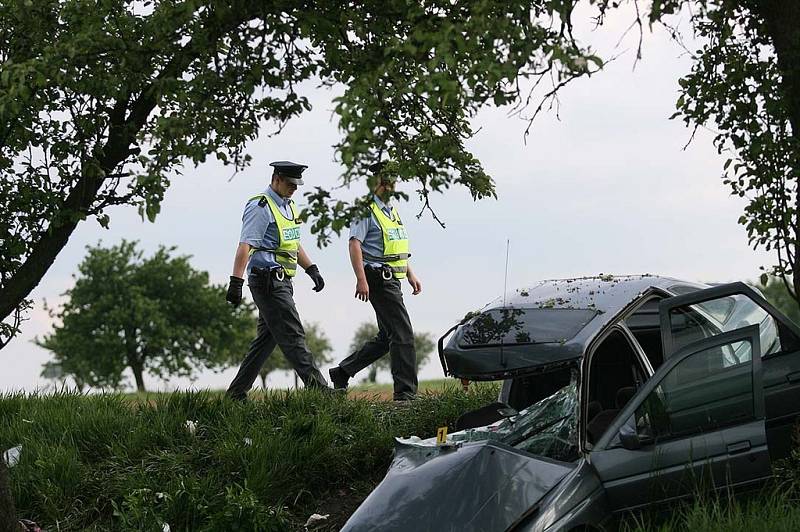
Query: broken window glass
[{"x": 546, "y": 428}]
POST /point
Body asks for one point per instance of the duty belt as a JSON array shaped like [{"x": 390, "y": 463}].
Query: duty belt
[
  {"x": 278, "y": 272},
  {"x": 385, "y": 270}
]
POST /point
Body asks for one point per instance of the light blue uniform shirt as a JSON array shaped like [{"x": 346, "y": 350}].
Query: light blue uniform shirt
[
  {"x": 368, "y": 232},
  {"x": 260, "y": 230}
]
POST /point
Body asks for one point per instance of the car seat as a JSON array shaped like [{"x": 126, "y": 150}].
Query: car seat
[{"x": 599, "y": 423}]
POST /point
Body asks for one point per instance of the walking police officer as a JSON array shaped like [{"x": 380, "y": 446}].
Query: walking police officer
[
  {"x": 269, "y": 247},
  {"x": 379, "y": 255}
]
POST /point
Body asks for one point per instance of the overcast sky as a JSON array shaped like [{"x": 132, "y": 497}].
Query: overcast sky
[{"x": 608, "y": 188}]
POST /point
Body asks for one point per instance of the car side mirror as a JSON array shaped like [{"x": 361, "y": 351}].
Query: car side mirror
[
  {"x": 629, "y": 436},
  {"x": 629, "y": 440}
]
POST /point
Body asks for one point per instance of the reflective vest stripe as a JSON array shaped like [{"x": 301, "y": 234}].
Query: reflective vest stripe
[
  {"x": 288, "y": 236},
  {"x": 395, "y": 242}
]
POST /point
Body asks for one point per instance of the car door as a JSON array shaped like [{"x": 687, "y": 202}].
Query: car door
[
  {"x": 690, "y": 427},
  {"x": 709, "y": 312}
]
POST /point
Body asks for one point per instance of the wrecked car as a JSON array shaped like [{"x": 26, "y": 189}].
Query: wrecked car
[{"x": 618, "y": 393}]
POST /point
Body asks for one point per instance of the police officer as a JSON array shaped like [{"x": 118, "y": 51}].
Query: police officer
[
  {"x": 270, "y": 248},
  {"x": 379, "y": 255}
]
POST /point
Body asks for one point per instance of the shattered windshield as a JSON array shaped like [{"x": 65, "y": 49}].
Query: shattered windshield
[
  {"x": 549, "y": 427},
  {"x": 546, "y": 428}
]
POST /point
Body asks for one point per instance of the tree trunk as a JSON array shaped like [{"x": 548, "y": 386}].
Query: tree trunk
[
  {"x": 782, "y": 20},
  {"x": 372, "y": 376},
  {"x": 8, "y": 515},
  {"x": 263, "y": 377},
  {"x": 137, "y": 374},
  {"x": 122, "y": 133}
]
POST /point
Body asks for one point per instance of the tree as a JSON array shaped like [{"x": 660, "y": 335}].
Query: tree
[
  {"x": 316, "y": 341},
  {"x": 100, "y": 102},
  {"x": 155, "y": 315},
  {"x": 423, "y": 344},
  {"x": 776, "y": 293},
  {"x": 745, "y": 81}
]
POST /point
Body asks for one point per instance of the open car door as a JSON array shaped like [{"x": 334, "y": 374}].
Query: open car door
[
  {"x": 713, "y": 311},
  {"x": 698, "y": 423}
]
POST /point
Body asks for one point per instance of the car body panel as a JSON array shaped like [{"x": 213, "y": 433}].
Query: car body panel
[
  {"x": 477, "y": 486},
  {"x": 660, "y": 471},
  {"x": 578, "y": 500},
  {"x": 780, "y": 371}
]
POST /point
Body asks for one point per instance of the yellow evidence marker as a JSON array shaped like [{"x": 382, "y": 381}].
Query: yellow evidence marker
[{"x": 441, "y": 436}]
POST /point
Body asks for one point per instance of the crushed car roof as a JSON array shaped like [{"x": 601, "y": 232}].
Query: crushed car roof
[{"x": 547, "y": 324}]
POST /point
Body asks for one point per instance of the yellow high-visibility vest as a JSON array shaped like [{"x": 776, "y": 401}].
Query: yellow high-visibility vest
[
  {"x": 288, "y": 236},
  {"x": 395, "y": 241}
]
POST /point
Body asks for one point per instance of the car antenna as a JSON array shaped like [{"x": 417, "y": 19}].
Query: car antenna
[
  {"x": 505, "y": 291},
  {"x": 505, "y": 277}
]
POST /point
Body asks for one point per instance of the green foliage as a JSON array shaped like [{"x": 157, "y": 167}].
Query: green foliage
[
  {"x": 423, "y": 344},
  {"x": 744, "y": 80},
  {"x": 316, "y": 341},
  {"x": 101, "y": 462},
  {"x": 156, "y": 315},
  {"x": 100, "y": 102},
  {"x": 777, "y": 293}
]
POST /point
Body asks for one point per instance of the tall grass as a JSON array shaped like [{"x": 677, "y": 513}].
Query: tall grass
[
  {"x": 775, "y": 508},
  {"x": 771, "y": 511},
  {"x": 106, "y": 462}
]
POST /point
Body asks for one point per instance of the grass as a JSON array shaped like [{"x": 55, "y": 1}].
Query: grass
[
  {"x": 129, "y": 462},
  {"x": 107, "y": 462},
  {"x": 385, "y": 389},
  {"x": 774, "y": 508},
  {"x": 771, "y": 511}
]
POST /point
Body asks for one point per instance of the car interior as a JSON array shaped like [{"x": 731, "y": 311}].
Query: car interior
[
  {"x": 645, "y": 326},
  {"x": 532, "y": 388},
  {"x": 615, "y": 373},
  {"x": 524, "y": 392}
]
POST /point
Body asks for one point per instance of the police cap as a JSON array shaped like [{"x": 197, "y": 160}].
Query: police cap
[
  {"x": 293, "y": 172},
  {"x": 382, "y": 171},
  {"x": 375, "y": 168}
]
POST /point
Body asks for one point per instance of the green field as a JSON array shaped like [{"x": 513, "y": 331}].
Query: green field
[{"x": 434, "y": 386}]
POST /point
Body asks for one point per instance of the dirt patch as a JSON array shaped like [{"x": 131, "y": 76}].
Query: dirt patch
[
  {"x": 340, "y": 505},
  {"x": 371, "y": 395}
]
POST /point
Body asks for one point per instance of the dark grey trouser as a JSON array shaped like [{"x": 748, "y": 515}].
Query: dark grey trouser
[
  {"x": 395, "y": 336},
  {"x": 278, "y": 324}
]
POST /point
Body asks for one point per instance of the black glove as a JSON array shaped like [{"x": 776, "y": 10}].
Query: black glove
[
  {"x": 234, "y": 294},
  {"x": 313, "y": 272}
]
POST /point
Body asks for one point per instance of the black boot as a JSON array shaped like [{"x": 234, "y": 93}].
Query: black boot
[{"x": 339, "y": 378}]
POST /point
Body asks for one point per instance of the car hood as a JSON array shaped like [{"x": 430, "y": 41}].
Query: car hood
[{"x": 480, "y": 485}]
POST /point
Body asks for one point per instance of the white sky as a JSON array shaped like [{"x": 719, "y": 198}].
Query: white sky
[{"x": 608, "y": 188}]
